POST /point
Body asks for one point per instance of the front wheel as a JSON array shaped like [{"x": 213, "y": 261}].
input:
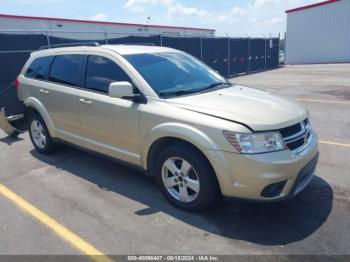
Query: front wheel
[{"x": 186, "y": 178}]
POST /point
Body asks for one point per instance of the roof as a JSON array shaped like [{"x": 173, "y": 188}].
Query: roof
[
  {"x": 311, "y": 6},
  {"x": 100, "y": 22},
  {"x": 137, "y": 49},
  {"x": 120, "y": 49}
]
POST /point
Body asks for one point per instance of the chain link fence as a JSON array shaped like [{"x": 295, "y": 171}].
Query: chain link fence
[{"x": 229, "y": 56}]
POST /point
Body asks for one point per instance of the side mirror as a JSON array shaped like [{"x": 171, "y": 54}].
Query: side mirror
[
  {"x": 125, "y": 90},
  {"x": 120, "y": 89}
]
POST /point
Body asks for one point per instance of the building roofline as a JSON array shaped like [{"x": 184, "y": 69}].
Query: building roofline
[
  {"x": 311, "y": 6},
  {"x": 100, "y": 22}
]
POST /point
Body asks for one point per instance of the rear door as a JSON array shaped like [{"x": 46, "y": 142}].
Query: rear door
[
  {"x": 60, "y": 96},
  {"x": 109, "y": 125}
]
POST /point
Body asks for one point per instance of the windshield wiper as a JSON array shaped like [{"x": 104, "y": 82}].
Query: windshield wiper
[
  {"x": 191, "y": 91},
  {"x": 214, "y": 85},
  {"x": 176, "y": 92}
]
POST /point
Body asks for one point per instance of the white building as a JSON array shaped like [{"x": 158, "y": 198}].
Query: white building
[
  {"x": 319, "y": 33},
  {"x": 86, "y": 29}
]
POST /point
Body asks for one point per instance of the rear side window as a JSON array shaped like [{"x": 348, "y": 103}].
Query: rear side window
[
  {"x": 39, "y": 68},
  {"x": 101, "y": 71},
  {"x": 65, "y": 69}
]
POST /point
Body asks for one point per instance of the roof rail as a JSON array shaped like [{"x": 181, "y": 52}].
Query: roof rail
[
  {"x": 148, "y": 44},
  {"x": 69, "y": 44}
]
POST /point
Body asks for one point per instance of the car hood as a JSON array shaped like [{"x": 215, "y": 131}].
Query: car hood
[{"x": 257, "y": 109}]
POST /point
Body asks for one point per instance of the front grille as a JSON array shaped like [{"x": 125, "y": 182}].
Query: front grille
[
  {"x": 296, "y": 144},
  {"x": 290, "y": 130},
  {"x": 296, "y": 137}
]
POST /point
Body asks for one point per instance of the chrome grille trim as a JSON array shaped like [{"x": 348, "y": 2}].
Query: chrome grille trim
[
  {"x": 306, "y": 145},
  {"x": 305, "y": 134}
]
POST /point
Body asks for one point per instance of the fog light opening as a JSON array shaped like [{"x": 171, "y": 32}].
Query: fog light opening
[{"x": 274, "y": 189}]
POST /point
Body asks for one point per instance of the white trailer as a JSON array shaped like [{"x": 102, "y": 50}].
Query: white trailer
[{"x": 86, "y": 29}]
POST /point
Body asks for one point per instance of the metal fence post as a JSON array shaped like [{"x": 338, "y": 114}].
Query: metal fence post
[
  {"x": 284, "y": 49},
  {"x": 106, "y": 37},
  {"x": 249, "y": 55},
  {"x": 265, "y": 52},
  {"x": 201, "y": 47},
  {"x": 48, "y": 38},
  {"x": 228, "y": 57}
]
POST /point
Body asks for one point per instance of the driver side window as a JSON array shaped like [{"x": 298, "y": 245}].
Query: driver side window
[{"x": 101, "y": 71}]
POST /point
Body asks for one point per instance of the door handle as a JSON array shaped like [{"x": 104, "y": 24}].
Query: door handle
[
  {"x": 85, "y": 101},
  {"x": 44, "y": 91}
]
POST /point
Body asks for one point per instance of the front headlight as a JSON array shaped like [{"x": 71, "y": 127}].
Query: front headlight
[{"x": 255, "y": 142}]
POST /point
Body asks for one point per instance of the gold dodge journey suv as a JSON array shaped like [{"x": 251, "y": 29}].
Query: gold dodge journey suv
[{"x": 165, "y": 111}]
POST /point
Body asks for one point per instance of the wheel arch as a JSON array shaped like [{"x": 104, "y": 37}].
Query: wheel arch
[
  {"x": 34, "y": 105},
  {"x": 170, "y": 134}
]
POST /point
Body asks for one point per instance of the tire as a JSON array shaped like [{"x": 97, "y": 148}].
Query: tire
[
  {"x": 39, "y": 134},
  {"x": 195, "y": 186}
]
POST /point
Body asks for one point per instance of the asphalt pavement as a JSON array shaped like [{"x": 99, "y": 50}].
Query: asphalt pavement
[{"x": 117, "y": 210}]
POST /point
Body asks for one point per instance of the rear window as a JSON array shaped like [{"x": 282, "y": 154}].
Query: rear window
[
  {"x": 65, "y": 69},
  {"x": 39, "y": 68}
]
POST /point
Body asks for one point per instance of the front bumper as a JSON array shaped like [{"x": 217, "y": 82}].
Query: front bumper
[{"x": 246, "y": 176}]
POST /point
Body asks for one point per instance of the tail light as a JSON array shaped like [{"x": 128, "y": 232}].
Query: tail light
[{"x": 16, "y": 84}]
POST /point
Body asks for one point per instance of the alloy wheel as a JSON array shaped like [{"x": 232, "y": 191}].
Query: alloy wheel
[
  {"x": 180, "y": 179},
  {"x": 38, "y": 134}
]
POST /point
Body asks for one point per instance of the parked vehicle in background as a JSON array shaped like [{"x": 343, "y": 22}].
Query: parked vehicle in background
[{"x": 161, "y": 109}]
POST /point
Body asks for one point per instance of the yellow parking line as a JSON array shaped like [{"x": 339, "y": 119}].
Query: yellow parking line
[
  {"x": 56, "y": 227},
  {"x": 334, "y": 143},
  {"x": 323, "y": 101}
]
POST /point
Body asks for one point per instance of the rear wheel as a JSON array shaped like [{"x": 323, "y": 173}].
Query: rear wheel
[
  {"x": 186, "y": 178},
  {"x": 39, "y": 134}
]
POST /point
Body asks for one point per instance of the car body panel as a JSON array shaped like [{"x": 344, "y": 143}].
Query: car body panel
[
  {"x": 32, "y": 102},
  {"x": 205, "y": 132},
  {"x": 245, "y": 175},
  {"x": 256, "y": 108},
  {"x": 62, "y": 104},
  {"x": 111, "y": 125}
]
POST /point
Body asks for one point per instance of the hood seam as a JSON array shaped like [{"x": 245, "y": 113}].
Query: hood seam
[{"x": 226, "y": 119}]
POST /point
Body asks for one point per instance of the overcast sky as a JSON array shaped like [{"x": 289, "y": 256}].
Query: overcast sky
[{"x": 232, "y": 17}]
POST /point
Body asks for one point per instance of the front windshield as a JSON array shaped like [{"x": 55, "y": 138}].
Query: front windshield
[{"x": 175, "y": 73}]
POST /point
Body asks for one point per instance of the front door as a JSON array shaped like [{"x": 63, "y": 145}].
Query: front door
[{"x": 109, "y": 125}]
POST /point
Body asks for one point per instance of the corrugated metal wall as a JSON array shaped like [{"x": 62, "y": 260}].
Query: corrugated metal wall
[
  {"x": 93, "y": 30},
  {"x": 319, "y": 35}
]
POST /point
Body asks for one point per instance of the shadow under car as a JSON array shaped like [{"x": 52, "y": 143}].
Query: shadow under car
[{"x": 261, "y": 223}]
